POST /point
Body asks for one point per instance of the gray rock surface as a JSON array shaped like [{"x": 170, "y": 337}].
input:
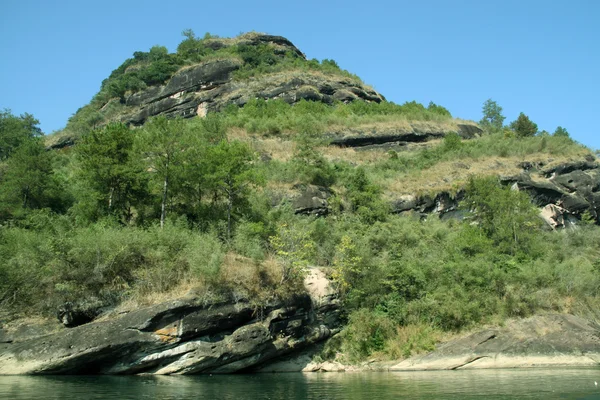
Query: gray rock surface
[
  {"x": 312, "y": 201},
  {"x": 211, "y": 86},
  {"x": 416, "y": 132},
  {"x": 540, "y": 341},
  {"x": 563, "y": 193},
  {"x": 179, "y": 337}
]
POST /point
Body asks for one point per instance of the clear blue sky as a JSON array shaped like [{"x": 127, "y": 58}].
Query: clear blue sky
[{"x": 539, "y": 57}]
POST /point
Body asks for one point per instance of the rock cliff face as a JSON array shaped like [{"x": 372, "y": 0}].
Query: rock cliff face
[
  {"x": 414, "y": 132},
  {"x": 182, "y": 337},
  {"x": 563, "y": 192},
  {"x": 549, "y": 340},
  {"x": 210, "y": 86}
]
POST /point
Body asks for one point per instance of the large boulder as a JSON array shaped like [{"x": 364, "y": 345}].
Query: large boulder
[{"x": 312, "y": 200}]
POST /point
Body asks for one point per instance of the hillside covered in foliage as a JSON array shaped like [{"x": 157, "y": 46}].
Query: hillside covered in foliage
[{"x": 426, "y": 224}]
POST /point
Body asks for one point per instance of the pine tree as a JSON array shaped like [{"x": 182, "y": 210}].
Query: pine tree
[{"x": 523, "y": 126}]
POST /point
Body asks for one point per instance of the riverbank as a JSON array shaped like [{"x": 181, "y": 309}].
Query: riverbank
[
  {"x": 188, "y": 336},
  {"x": 542, "y": 341},
  {"x": 183, "y": 337}
]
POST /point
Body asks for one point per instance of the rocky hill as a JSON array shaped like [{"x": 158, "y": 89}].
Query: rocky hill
[
  {"x": 213, "y": 74},
  {"x": 185, "y": 212}
]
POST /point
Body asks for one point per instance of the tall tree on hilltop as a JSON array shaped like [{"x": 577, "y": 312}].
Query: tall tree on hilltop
[
  {"x": 523, "y": 126},
  {"x": 492, "y": 115},
  {"x": 562, "y": 132}
]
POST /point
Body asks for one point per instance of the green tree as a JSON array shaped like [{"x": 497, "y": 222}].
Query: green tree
[
  {"x": 107, "y": 167},
  {"x": 230, "y": 172},
  {"x": 27, "y": 179},
  {"x": 437, "y": 109},
  {"x": 560, "y": 131},
  {"x": 165, "y": 144},
  {"x": 309, "y": 164},
  {"x": 191, "y": 46},
  {"x": 492, "y": 115},
  {"x": 294, "y": 247},
  {"x": 365, "y": 197},
  {"x": 16, "y": 130},
  {"x": 506, "y": 216},
  {"x": 523, "y": 126}
]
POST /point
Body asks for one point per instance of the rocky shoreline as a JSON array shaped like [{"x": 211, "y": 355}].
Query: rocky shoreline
[
  {"x": 541, "y": 341},
  {"x": 183, "y": 336},
  {"x": 186, "y": 336}
]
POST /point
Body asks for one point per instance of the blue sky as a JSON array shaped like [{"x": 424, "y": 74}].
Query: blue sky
[{"x": 538, "y": 57}]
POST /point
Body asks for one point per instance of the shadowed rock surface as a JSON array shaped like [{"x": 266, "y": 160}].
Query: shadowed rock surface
[
  {"x": 547, "y": 340},
  {"x": 181, "y": 337},
  {"x": 415, "y": 132},
  {"x": 565, "y": 192},
  {"x": 210, "y": 87},
  {"x": 312, "y": 201}
]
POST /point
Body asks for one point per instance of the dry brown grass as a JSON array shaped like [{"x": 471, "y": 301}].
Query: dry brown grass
[
  {"x": 198, "y": 287},
  {"x": 241, "y": 276},
  {"x": 279, "y": 149},
  {"x": 453, "y": 175},
  {"x": 259, "y": 281},
  {"x": 282, "y": 148}
]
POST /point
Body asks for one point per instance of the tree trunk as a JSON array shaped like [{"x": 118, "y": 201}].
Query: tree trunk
[
  {"x": 110, "y": 197},
  {"x": 229, "y": 210},
  {"x": 25, "y": 197},
  {"x": 163, "y": 210}
]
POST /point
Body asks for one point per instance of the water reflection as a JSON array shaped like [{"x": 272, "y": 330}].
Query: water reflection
[{"x": 488, "y": 384}]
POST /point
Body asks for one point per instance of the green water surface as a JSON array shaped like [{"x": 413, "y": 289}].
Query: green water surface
[{"x": 484, "y": 384}]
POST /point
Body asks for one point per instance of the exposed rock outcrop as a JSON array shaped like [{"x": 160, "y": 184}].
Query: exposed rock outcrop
[
  {"x": 571, "y": 187},
  {"x": 210, "y": 87},
  {"x": 312, "y": 201},
  {"x": 181, "y": 337},
  {"x": 413, "y": 132},
  {"x": 444, "y": 204},
  {"x": 75, "y": 314},
  {"x": 540, "y": 341},
  {"x": 564, "y": 193}
]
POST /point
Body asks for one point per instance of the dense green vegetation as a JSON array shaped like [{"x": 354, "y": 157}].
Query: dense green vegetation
[
  {"x": 276, "y": 117},
  {"x": 135, "y": 214}
]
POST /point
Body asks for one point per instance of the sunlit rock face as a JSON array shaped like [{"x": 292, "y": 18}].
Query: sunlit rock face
[{"x": 182, "y": 336}]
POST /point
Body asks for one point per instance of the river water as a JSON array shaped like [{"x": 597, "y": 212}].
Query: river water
[{"x": 483, "y": 384}]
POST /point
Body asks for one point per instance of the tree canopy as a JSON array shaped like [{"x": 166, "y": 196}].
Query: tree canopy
[
  {"x": 523, "y": 126},
  {"x": 492, "y": 115}
]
